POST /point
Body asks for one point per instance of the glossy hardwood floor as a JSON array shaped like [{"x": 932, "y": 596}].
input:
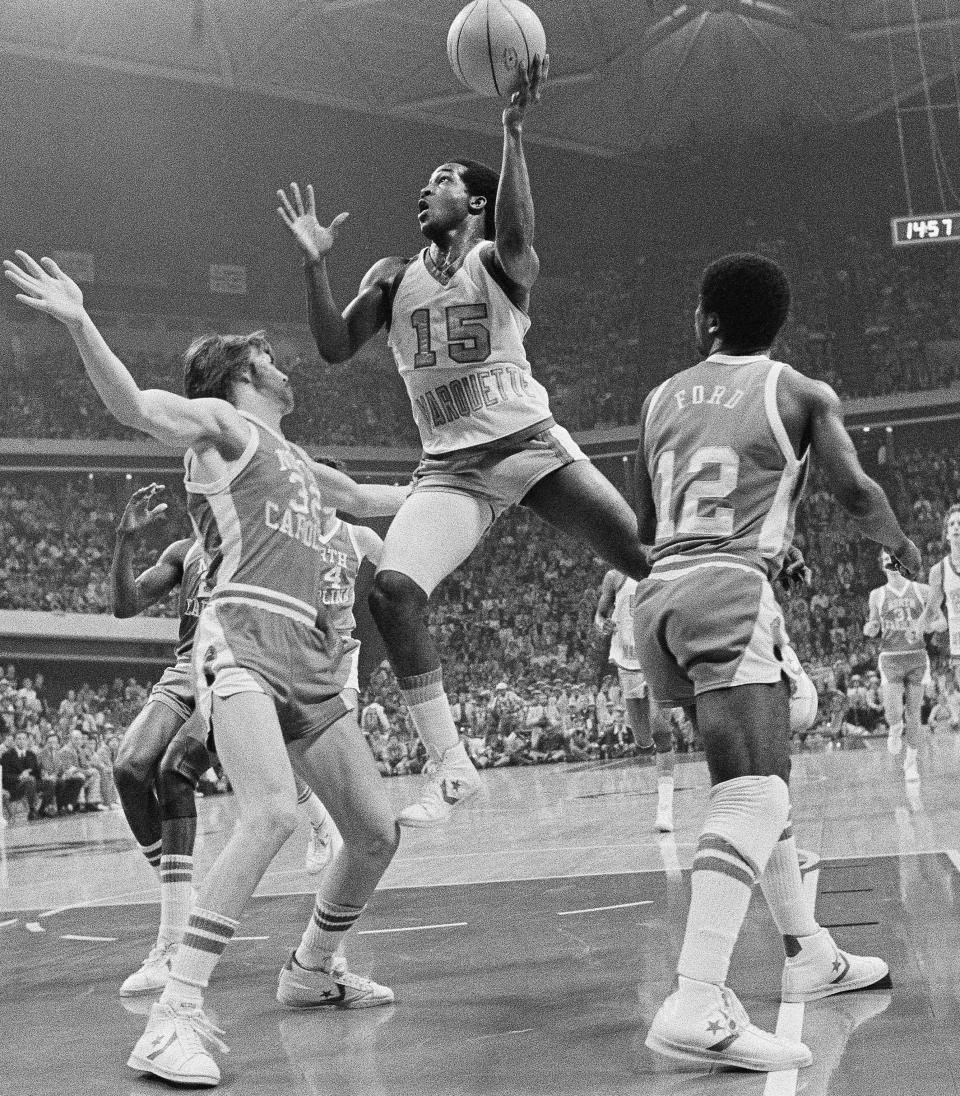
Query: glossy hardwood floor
[{"x": 529, "y": 944}]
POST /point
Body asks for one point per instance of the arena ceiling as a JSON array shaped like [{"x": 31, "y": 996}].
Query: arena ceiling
[{"x": 630, "y": 79}]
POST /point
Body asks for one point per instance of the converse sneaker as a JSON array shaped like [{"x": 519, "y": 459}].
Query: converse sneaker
[
  {"x": 153, "y": 975},
  {"x": 450, "y": 785},
  {"x": 704, "y": 1023},
  {"x": 324, "y": 844},
  {"x": 330, "y": 985},
  {"x": 818, "y": 968},
  {"x": 174, "y": 1046}
]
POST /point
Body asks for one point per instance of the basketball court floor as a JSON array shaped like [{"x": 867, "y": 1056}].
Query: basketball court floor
[{"x": 529, "y": 944}]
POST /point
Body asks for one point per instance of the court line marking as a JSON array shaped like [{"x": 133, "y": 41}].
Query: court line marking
[
  {"x": 35, "y": 926},
  {"x": 251, "y": 937},
  {"x": 599, "y": 909},
  {"x": 92, "y": 939},
  {"x": 12, "y": 921},
  {"x": 96, "y": 902},
  {"x": 414, "y": 928},
  {"x": 790, "y": 1016},
  {"x": 953, "y": 856}
]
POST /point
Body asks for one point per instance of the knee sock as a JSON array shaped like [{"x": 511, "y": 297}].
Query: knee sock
[
  {"x": 782, "y": 886},
  {"x": 207, "y": 935},
  {"x": 431, "y": 715},
  {"x": 152, "y": 853},
  {"x": 745, "y": 817},
  {"x": 310, "y": 801},
  {"x": 324, "y": 933},
  {"x": 176, "y": 897}
]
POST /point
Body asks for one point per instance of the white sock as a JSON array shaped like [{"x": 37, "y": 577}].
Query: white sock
[
  {"x": 910, "y": 757},
  {"x": 430, "y": 712},
  {"x": 665, "y": 764},
  {"x": 325, "y": 930},
  {"x": 208, "y": 933},
  {"x": 744, "y": 820},
  {"x": 176, "y": 897},
  {"x": 664, "y": 793},
  {"x": 310, "y": 801},
  {"x": 782, "y": 886}
]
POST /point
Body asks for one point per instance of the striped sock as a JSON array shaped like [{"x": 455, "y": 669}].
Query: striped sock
[
  {"x": 430, "y": 711},
  {"x": 310, "y": 801},
  {"x": 745, "y": 818},
  {"x": 176, "y": 897},
  {"x": 324, "y": 934},
  {"x": 782, "y": 886},
  {"x": 207, "y": 935},
  {"x": 152, "y": 853}
]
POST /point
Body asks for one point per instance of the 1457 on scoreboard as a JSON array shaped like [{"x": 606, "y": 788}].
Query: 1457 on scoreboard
[{"x": 928, "y": 228}]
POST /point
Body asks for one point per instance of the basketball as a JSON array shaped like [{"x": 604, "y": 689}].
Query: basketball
[{"x": 491, "y": 41}]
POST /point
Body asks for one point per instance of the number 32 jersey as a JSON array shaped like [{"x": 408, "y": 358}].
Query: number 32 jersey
[
  {"x": 457, "y": 339},
  {"x": 726, "y": 481}
]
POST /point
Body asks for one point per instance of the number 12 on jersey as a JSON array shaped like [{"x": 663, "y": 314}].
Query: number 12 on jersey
[{"x": 701, "y": 489}]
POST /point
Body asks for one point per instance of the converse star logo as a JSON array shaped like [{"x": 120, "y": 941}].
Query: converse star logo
[
  {"x": 837, "y": 964},
  {"x": 450, "y": 789},
  {"x": 714, "y": 1026}
]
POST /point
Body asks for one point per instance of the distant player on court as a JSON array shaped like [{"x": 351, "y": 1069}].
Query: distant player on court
[
  {"x": 650, "y": 725},
  {"x": 269, "y": 668},
  {"x": 944, "y": 589},
  {"x": 896, "y": 616},
  {"x": 724, "y": 449},
  {"x": 457, "y": 315}
]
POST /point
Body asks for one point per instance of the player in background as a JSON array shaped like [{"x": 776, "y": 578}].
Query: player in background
[
  {"x": 144, "y": 765},
  {"x": 721, "y": 466},
  {"x": 159, "y": 772},
  {"x": 456, "y": 316},
  {"x": 896, "y": 616},
  {"x": 269, "y": 668},
  {"x": 649, "y": 723},
  {"x": 944, "y": 589},
  {"x": 345, "y": 547}
]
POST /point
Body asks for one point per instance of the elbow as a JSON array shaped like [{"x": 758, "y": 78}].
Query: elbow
[{"x": 859, "y": 498}]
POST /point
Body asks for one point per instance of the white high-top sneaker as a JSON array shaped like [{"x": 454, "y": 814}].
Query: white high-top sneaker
[
  {"x": 153, "y": 974},
  {"x": 324, "y": 844},
  {"x": 821, "y": 969},
  {"x": 702, "y": 1022},
  {"x": 330, "y": 985},
  {"x": 664, "y": 819},
  {"x": 453, "y": 782},
  {"x": 174, "y": 1046}
]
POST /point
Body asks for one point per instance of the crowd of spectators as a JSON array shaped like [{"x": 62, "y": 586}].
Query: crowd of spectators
[{"x": 867, "y": 318}]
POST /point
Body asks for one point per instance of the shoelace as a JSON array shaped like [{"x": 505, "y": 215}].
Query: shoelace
[
  {"x": 159, "y": 953},
  {"x": 194, "y": 1029}
]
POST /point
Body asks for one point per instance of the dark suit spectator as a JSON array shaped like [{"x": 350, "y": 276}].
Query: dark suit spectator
[{"x": 21, "y": 775}]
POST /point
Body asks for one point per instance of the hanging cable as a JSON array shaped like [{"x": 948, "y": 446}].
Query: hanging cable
[
  {"x": 904, "y": 169},
  {"x": 931, "y": 122}
]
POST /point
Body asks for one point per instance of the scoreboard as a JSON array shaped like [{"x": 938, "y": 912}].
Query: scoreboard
[{"x": 927, "y": 228}]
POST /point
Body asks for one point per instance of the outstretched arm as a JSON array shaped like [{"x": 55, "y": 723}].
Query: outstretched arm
[
  {"x": 514, "y": 219},
  {"x": 362, "y": 500},
  {"x": 338, "y": 335},
  {"x": 130, "y": 593},
  {"x": 171, "y": 419}
]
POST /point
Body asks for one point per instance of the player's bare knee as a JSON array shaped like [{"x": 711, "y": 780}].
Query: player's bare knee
[
  {"x": 395, "y": 595},
  {"x": 131, "y": 772},
  {"x": 379, "y": 839}
]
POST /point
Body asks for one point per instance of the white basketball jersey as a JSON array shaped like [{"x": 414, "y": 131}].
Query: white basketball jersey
[
  {"x": 951, "y": 593},
  {"x": 623, "y": 650},
  {"x": 457, "y": 339}
]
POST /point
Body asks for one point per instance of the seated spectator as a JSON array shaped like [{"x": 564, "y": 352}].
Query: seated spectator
[{"x": 21, "y": 775}]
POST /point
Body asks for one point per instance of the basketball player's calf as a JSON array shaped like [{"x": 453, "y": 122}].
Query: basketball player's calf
[
  {"x": 184, "y": 762},
  {"x": 653, "y": 734},
  {"x": 399, "y": 607}
]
